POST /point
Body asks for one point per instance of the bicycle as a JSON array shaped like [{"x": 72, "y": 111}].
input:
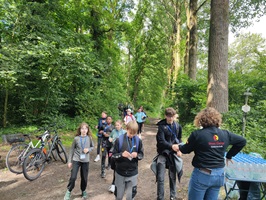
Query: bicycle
[
  {"x": 36, "y": 159},
  {"x": 17, "y": 153}
]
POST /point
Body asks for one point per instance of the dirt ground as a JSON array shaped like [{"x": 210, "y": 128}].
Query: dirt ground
[{"x": 51, "y": 185}]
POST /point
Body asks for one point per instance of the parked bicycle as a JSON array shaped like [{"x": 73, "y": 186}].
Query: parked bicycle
[
  {"x": 37, "y": 158},
  {"x": 17, "y": 153}
]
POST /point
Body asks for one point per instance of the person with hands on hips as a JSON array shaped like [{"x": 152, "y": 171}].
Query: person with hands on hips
[
  {"x": 209, "y": 144},
  {"x": 79, "y": 157}
]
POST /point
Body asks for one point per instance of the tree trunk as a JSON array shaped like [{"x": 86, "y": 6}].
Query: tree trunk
[
  {"x": 5, "y": 109},
  {"x": 217, "y": 91},
  {"x": 176, "y": 57},
  {"x": 193, "y": 40}
]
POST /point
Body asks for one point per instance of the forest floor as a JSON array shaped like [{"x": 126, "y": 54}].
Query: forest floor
[{"x": 51, "y": 185}]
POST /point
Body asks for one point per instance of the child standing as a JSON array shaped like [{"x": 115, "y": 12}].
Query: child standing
[
  {"x": 140, "y": 116},
  {"x": 79, "y": 158},
  {"x": 129, "y": 116},
  {"x": 100, "y": 127},
  {"x": 112, "y": 138},
  {"x": 127, "y": 154},
  {"x": 106, "y": 145}
]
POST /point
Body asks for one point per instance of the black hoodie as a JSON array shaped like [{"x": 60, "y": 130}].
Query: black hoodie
[{"x": 167, "y": 135}]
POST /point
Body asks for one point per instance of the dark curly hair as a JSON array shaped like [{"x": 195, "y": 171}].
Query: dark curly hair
[{"x": 208, "y": 117}]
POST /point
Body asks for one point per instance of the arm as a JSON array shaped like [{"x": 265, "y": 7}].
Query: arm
[
  {"x": 189, "y": 146},
  {"x": 237, "y": 142},
  {"x": 161, "y": 141},
  {"x": 140, "y": 154}
]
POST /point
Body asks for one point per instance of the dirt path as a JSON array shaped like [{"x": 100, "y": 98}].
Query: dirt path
[{"x": 52, "y": 183}]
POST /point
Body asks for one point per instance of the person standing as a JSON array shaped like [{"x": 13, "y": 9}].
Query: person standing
[
  {"x": 140, "y": 117},
  {"x": 106, "y": 145},
  {"x": 128, "y": 150},
  {"x": 129, "y": 116},
  {"x": 169, "y": 135},
  {"x": 100, "y": 128},
  {"x": 209, "y": 145},
  {"x": 112, "y": 138},
  {"x": 79, "y": 157}
]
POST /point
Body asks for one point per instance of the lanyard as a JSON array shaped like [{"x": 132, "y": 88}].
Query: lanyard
[
  {"x": 82, "y": 145},
  {"x": 172, "y": 131},
  {"x": 130, "y": 149},
  {"x": 107, "y": 126}
]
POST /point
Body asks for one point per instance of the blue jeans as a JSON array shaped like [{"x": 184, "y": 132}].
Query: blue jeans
[{"x": 205, "y": 186}]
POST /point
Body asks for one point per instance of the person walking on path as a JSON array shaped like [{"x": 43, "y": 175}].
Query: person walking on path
[
  {"x": 127, "y": 153},
  {"x": 140, "y": 117},
  {"x": 112, "y": 138},
  {"x": 106, "y": 145},
  {"x": 129, "y": 116},
  {"x": 100, "y": 128},
  {"x": 169, "y": 135},
  {"x": 79, "y": 157},
  {"x": 209, "y": 145}
]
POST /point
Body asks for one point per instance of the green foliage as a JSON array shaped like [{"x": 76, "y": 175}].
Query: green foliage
[{"x": 190, "y": 97}]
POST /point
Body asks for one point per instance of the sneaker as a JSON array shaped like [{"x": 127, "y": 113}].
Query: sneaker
[
  {"x": 112, "y": 188},
  {"x": 103, "y": 174},
  {"x": 139, "y": 136},
  {"x": 84, "y": 194},
  {"x": 67, "y": 195},
  {"x": 97, "y": 158},
  {"x": 108, "y": 167}
]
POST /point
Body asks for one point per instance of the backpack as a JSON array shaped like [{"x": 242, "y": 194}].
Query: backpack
[{"x": 121, "y": 139}]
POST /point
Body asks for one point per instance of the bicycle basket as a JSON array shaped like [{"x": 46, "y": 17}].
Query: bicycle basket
[{"x": 13, "y": 138}]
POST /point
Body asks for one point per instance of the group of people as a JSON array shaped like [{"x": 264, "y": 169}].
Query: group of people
[{"x": 125, "y": 148}]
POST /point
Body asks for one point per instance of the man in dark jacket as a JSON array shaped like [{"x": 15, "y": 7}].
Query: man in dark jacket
[{"x": 168, "y": 137}]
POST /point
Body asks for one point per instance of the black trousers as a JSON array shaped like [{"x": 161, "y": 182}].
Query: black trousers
[
  {"x": 84, "y": 171},
  {"x": 140, "y": 124}
]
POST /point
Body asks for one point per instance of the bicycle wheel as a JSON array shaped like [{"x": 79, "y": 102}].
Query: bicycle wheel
[
  {"x": 61, "y": 152},
  {"x": 53, "y": 151},
  {"x": 33, "y": 164},
  {"x": 15, "y": 157}
]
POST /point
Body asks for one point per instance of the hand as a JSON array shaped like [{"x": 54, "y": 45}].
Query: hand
[
  {"x": 69, "y": 165},
  {"x": 134, "y": 154},
  {"x": 229, "y": 160},
  {"x": 175, "y": 147},
  {"x": 179, "y": 153},
  {"x": 126, "y": 154},
  {"x": 110, "y": 139},
  {"x": 86, "y": 150}
]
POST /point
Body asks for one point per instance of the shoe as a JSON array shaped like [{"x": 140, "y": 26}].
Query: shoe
[
  {"x": 97, "y": 158},
  {"x": 67, "y": 195},
  {"x": 84, "y": 195},
  {"x": 139, "y": 136},
  {"x": 108, "y": 167},
  {"x": 112, "y": 188},
  {"x": 103, "y": 174}
]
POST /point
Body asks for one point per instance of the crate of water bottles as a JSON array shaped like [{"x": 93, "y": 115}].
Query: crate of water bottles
[{"x": 247, "y": 167}]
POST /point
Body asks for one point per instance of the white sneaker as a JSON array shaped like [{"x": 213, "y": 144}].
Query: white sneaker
[
  {"x": 112, "y": 188},
  {"x": 97, "y": 158},
  {"x": 139, "y": 136}
]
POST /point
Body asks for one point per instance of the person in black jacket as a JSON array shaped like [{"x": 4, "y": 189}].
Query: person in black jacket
[
  {"x": 209, "y": 145},
  {"x": 168, "y": 137},
  {"x": 126, "y": 155}
]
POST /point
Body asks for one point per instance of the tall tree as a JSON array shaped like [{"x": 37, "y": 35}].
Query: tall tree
[{"x": 217, "y": 90}]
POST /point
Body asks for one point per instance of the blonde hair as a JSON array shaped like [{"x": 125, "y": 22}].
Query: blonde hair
[
  {"x": 208, "y": 117},
  {"x": 133, "y": 127}
]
